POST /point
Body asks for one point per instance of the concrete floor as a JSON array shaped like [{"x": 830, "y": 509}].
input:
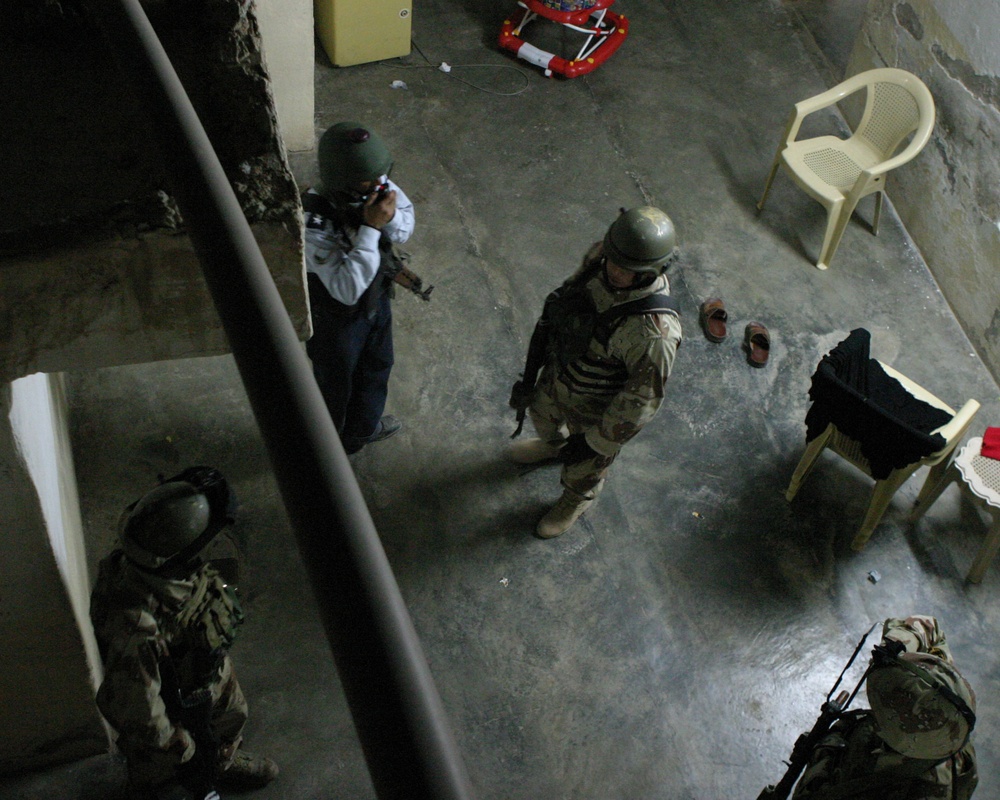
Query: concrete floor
[{"x": 676, "y": 641}]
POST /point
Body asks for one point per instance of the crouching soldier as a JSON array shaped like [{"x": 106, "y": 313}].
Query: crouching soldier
[
  {"x": 605, "y": 345},
  {"x": 164, "y": 621},
  {"x": 913, "y": 744}
]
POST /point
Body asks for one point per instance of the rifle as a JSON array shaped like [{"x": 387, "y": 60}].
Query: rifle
[
  {"x": 394, "y": 266},
  {"x": 523, "y": 391},
  {"x": 194, "y": 712},
  {"x": 830, "y": 712}
]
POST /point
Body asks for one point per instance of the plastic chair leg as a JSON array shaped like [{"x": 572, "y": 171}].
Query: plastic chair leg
[
  {"x": 770, "y": 180},
  {"x": 986, "y": 552},
  {"x": 882, "y": 495},
  {"x": 936, "y": 482},
  {"x": 838, "y": 215},
  {"x": 878, "y": 212},
  {"x": 807, "y": 462}
]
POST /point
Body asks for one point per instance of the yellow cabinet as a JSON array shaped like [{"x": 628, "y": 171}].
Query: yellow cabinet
[{"x": 358, "y": 31}]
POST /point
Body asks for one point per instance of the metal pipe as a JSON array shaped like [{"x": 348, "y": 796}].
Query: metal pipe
[{"x": 404, "y": 733}]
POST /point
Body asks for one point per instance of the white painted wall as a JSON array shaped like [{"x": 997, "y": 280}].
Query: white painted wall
[
  {"x": 47, "y": 650},
  {"x": 286, "y": 28},
  {"x": 38, "y": 418}
]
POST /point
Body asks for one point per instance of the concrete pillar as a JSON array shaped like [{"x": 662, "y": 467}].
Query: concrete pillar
[
  {"x": 286, "y": 32},
  {"x": 49, "y": 666}
]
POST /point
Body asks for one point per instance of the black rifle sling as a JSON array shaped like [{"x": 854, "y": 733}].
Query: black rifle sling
[
  {"x": 866, "y": 783},
  {"x": 650, "y": 304}
]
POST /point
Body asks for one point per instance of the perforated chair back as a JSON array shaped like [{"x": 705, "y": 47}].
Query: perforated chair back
[{"x": 839, "y": 172}]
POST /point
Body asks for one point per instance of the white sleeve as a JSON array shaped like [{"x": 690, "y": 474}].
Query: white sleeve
[
  {"x": 346, "y": 274},
  {"x": 400, "y": 227}
]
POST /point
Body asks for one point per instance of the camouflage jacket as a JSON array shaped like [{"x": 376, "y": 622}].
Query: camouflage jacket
[
  {"x": 621, "y": 380},
  {"x": 139, "y": 621}
]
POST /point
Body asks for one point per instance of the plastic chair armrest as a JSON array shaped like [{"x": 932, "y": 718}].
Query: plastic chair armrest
[
  {"x": 824, "y": 99},
  {"x": 956, "y": 428}
]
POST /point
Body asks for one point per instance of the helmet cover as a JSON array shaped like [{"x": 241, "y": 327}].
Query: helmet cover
[
  {"x": 350, "y": 153},
  {"x": 641, "y": 240},
  {"x": 914, "y": 717},
  {"x": 163, "y": 522}
]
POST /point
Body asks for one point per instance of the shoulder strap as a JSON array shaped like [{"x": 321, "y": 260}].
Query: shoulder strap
[
  {"x": 313, "y": 203},
  {"x": 909, "y": 770},
  {"x": 650, "y": 304}
]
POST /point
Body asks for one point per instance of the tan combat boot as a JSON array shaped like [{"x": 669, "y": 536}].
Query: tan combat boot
[
  {"x": 248, "y": 771},
  {"x": 560, "y": 518},
  {"x": 531, "y": 451}
]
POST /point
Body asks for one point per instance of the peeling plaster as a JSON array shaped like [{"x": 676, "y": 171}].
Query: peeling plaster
[
  {"x": 909, "y": 20},
  {"x": 984, "y": 88}
]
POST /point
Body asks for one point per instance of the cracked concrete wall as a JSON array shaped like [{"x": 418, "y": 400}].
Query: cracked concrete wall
[
  {"x": 96, "y": 269},
  {"x": 949, "y": 197}
]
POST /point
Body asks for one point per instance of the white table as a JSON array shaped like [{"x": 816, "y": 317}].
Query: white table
[{"x": 981, "y": 479}]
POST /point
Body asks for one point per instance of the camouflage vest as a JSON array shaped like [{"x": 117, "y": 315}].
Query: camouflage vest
[
  {"x": 574, "y": 321},
  {"x": 209, "y": 618},
  {"x": 853, "y": 762}
]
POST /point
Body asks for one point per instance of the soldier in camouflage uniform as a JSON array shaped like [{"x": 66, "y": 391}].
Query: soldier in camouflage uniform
[
  {"x": 914, "y": 742},
  {"x": 610, "y": 335},
  {"x": 164, "y": 621}
]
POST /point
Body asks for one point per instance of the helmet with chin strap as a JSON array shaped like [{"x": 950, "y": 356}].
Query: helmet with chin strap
[
  {"x": 170, "y": 525},
  {"x": 923, "y": 706},
  {"x": 641, "y": 240}
]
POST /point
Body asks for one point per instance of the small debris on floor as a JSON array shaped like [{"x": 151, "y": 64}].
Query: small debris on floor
[{"x": 874, "y": 576}]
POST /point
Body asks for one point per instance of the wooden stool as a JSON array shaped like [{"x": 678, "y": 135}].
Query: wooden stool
[{"x": 981, "y": 477}]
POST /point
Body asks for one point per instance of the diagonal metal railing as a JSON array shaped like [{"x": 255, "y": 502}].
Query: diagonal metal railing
[{"x": 397, "y": 712}]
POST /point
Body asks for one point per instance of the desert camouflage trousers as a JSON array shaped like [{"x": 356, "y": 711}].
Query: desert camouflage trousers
[
  {"x": 556, "y": 413},
  {"x": 150, "y": 766}
]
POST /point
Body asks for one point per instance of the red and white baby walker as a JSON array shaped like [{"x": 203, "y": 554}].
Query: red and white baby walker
[{"x": 605, "y": 32}]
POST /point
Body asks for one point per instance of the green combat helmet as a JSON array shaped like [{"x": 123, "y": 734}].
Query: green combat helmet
[
  {"x": 350, "y": 153},
  {"x": 923, "y": 706},
  {"x": 641, "y": 240},
  {"x": 175, "y": 521}
]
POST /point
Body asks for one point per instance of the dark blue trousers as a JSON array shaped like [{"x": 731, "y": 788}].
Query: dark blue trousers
[{"x": 351, "y": 357}]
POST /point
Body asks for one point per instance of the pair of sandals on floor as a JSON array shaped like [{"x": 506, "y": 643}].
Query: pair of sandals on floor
[{"x": 756, "y": 339}]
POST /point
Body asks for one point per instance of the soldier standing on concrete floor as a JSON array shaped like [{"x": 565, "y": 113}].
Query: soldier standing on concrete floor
[
  {"x": 164, "y": 621},
  {"x": 605, "y": 345}
]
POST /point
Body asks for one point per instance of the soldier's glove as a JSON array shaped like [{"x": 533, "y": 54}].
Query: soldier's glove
[
  {"x": 521, "y": 396},
  {"x": 576, "y": 450}
]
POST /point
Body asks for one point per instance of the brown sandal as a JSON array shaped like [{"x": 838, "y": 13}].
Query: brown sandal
[
  {"x": 713, "y": 318},
  {"x": 757, "y": 341}
]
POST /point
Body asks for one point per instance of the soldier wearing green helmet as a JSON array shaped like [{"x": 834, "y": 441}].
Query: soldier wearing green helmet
[
  {"x": 354, "y": 213},
  {"x": 913, "y": 743},
  {"x": 599, "y": 360},
  {"x": 164, "y": 619}
]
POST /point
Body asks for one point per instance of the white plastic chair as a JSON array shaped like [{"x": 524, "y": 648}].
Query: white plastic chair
[
  {"x": 883, "y": 491},
  {"x": 839, "y": 172}
]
